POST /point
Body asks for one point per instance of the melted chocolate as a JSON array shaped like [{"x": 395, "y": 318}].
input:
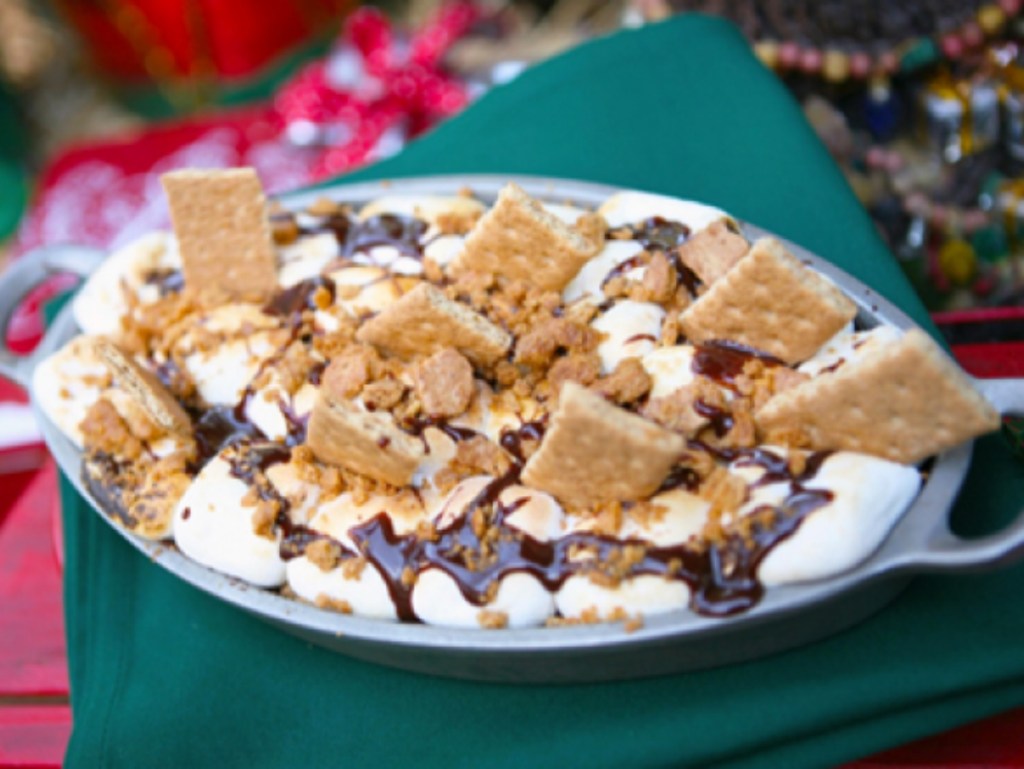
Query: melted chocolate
[
  {"x": 316, "y": 373},
  {"x": 722, "y": 576},
  {"x": 400, "y": 232},
  {"x": 623, "y": 267},
  {"x": 290, "y": 302},
  {"x": 168, "y": 280},
  {"x": 721, "y": 420},
  {"x": 684, "y": 275},
  {"x": 680, "y": 477},
  {"x": 658, "y": 234},
  {"x": 359, "y": 236},
  {"x": 417, "y": 425},
  {"x": 723, "y": 361},
  {"x": 220, "y": 427},
  {"x": 512, "y": 440},
  {"x": 642, "y": 338}
]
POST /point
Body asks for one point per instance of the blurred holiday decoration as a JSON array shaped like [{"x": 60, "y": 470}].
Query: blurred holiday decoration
[
  {"x": 922, "y": 104},
  {"x": 376, "y": 89},
  {"x": 380, "y": 87},
  {"x": 165, "y": 56}
]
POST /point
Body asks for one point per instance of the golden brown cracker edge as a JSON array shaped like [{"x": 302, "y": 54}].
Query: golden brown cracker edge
[
  {"x": 424, "y": 321},
  {"x": 370, "y": 443},
  {"x": 518, "y": 239},
  {"x": 145, "y": 388},
  {"x": 596, "y": 451},
  {"x": 770, "y": 301},
  {"x": 903, "y": 401},
  {"x": 223, "y": 231}
]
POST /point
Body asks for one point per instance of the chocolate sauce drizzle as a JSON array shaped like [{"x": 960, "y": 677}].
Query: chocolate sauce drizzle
[
  {"x": 479, "y": 548},
  {"x": 357, "y": 236},
  {"x": 292, "y": 301},
  {"x": 167, "y": 280},
  {"x": 417, "y": 425},
  {"x": 659, "y": 234},
  {"x": 723, "y": 361}
]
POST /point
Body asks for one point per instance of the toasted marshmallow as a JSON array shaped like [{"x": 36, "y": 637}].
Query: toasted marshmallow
[
  {"x": 444, "y": 248},
  {"x": 590, "y": 280},
  {"x": 869, "y": 496},
  {"x": 365, "y": 594},
  {"x": 646, "y": 594},
  {"x": 847, "y": 346},
  {"x": 364, "y": 590},
  {"x": 306, "y": 258},
  {"x": 68, "y": 383},
  {"x": 437, "y": 599},
  {"x": 214, "y": 528},
  {"x": 682, "y": 518},
  {"x": 627, "y": 208},
  {"x": 669, "y": 368},
  {"x": 565, "y": 212},
  {"x": 428, "y": 208},
  {"x": 223, "y": 374},
  {"x": 632, "y": 330},
  {"x": 100, "y": 304}
]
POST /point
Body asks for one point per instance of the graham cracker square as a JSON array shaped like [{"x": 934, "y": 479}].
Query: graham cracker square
[
  {"x": 340, "y": 433},
  {"x": 425, "y": 321},
  {"x": 713, "y": 251},
  {"x": 518, "y": 239},
  {"x": 145, "y": 388},
  {"x": 223, "y": 231},
  {"x": 772, "y": 302},
  {"x": 903, "y": 401},
  {"x": 595, "y": 451}
]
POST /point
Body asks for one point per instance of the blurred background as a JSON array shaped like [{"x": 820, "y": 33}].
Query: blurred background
[{"x": 921, "y": 103}]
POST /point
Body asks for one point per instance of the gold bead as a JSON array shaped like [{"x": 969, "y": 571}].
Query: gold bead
[
  {"x": 768, "y": 52},
  {"x": 991, "y": 19},
  {"x": 835, "y": 66}
]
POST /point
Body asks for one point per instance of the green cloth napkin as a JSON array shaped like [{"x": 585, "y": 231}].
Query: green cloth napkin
[
  {"x": 163, "y": 675},
  {"x": 13, "y": 145}
]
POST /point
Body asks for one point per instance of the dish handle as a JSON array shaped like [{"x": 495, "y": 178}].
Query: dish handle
[
  {"x": 24, "y": 274},
  {"x": 940, "y": 550}
]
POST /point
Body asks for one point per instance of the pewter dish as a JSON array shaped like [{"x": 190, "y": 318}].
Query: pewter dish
[{"x": 788, "y": 616}]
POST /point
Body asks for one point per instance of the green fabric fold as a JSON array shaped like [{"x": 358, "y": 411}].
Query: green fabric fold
[{"x": 163, "y": 675}]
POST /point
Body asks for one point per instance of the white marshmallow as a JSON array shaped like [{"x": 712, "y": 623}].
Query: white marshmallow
[
  {"x": 625, "y": 208},
  {"x": 630, "y": 328},
  {"x": 212, "y": 527}
]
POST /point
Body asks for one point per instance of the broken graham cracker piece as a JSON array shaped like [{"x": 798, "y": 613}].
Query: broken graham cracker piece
[
  {"x": 223, "y": 231},
  {"x": 518, "y": 239},
  {"x": 155, "y": 399},
  {"x": 425, "y": 321},
  {"x": 903, "y": 401},
  {"x": 444, "y": 383},
  {"x": 340, "y": 433},
  {"x": 771, "y": 302},
  {"x": 713, "y": 251},
  {"x": 595, "y": 451}
]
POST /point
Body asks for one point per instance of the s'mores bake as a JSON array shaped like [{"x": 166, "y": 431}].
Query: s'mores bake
[{"x": 494, "y": 415}]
